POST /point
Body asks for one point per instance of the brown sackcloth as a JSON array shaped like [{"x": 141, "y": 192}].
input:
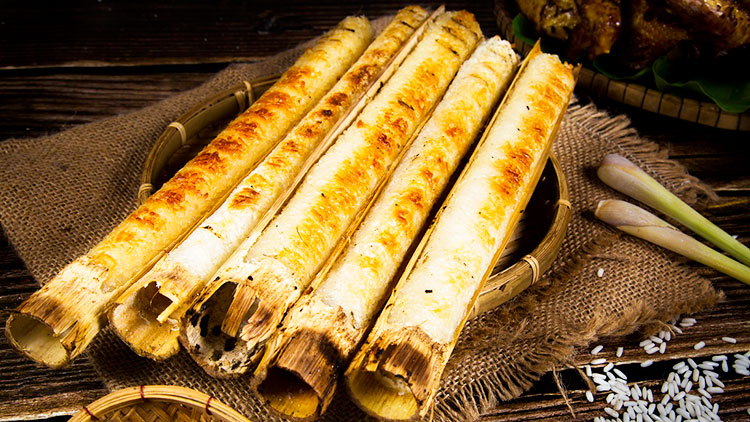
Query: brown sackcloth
[{"x": 60, "y": 194}]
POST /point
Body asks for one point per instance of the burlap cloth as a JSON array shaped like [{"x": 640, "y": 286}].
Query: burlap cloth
[{"x": 60, "y": 194}]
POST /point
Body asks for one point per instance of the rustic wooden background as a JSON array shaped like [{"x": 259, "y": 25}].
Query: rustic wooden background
[{"x": 67, "y": 63}]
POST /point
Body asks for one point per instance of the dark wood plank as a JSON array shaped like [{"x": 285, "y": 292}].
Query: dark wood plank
[
  {"x": 41, "y": 33},
  {"x": 40, "y": 104}
]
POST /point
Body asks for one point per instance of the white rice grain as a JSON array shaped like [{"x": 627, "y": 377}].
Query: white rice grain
[
  {"x": 590, "y": 396},
  {"x": 619, "y": 352},
  {"x": 600, "y": 272},
  {"x": 729, "y": 339},
  {"x": 598, "y": 361},
  {"x": 647, "y": 363},
  {"x": 699, "y": 345},
  {"x": 611, "y": 412}
]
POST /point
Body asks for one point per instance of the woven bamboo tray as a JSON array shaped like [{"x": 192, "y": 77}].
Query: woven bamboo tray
[
  {"x": 702, "y": 112},
  {"x": 529, "y": 253},
  {"x": 157, "y": 403}
]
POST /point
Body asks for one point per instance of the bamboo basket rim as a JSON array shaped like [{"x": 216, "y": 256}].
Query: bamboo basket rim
[
  {"x": 701, "y": 112},
  {"x": 167, "y": 394},
  {"x": 501, "y": 285}
]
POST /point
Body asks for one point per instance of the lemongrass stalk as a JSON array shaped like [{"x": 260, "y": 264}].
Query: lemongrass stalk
[
  {"x": 640, "y": 223},
  {"x": 621, "y": 174}
]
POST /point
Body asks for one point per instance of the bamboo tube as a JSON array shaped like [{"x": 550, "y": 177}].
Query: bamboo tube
[
  {"x": 297, "y": 375},
  {"x": 268, "y": 277},
  {"x": 396, "y": 373},
  {"x": 148, "y": 316},
  {"x": 57, "y": 322}
]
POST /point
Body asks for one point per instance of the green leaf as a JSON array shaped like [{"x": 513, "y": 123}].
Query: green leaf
[
  {"x": 524, "y": 30},
  {"x": 731, "y": 95}
]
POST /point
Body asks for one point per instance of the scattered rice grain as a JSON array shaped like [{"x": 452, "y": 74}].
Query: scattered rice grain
[
  {"x": 611, "y": 412},
  {"x": 729, "y": 339},
  {"x": 647, "y": 363},
  {"x": 699, "y": 345},
  {"x": 590, "y": 396},
  {"x": 597, "y": 349}
]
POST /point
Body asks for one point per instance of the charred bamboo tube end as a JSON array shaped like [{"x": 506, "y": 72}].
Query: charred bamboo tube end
[
  {"x": 397, "y": 377},
  {"x": 220, "y": 355},
  {"x": 36, "y": 340},
  {"x": 56, "y": 323},
  {"x": 301, "y": 379},
  {"x": 135, "y": 321},
  {"x": 286, "y": 393}
]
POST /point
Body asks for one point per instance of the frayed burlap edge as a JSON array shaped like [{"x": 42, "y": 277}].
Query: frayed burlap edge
[{"x": 485, "y": 393}]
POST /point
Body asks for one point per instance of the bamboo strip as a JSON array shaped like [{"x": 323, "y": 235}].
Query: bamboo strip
[{"x": 396, "y": 373}]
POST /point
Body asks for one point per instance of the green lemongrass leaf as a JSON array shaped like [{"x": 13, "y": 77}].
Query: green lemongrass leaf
[
  {"x": 624, "y": 176},
  {"x": 730, "y": 94},
  {"x": 642, "y": 224}
]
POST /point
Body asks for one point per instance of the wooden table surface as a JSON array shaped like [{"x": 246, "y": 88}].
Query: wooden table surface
[{"x": 67, "y": 63}]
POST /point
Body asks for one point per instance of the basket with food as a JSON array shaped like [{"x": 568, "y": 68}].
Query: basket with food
[
  {"x": 684, "y": 59},
  {"x": 394, "y": 184}
]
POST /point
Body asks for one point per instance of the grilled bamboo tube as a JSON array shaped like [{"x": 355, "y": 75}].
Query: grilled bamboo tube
[
  {"x": 57, "y": 322},
  {"x": 257, "y": 285},
  {"x": 148, "y": 317},
  {"x": 297, "y": 375},
  {"x": 396, "y": 373}
]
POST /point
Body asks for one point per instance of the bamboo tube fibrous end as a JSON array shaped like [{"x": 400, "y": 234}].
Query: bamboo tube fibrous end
[
  {"x": 36, "y": 340},
  {"x": 220, "y": 355},
  {"x": 382, "y": 395},
  {"x": 396, "y": 375},
  {"x": 299, "y": 381},
  {"x": 286, "y": 393},
  {"x": 56, "y": 323},
  {"x": 136, "y": 322}
]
